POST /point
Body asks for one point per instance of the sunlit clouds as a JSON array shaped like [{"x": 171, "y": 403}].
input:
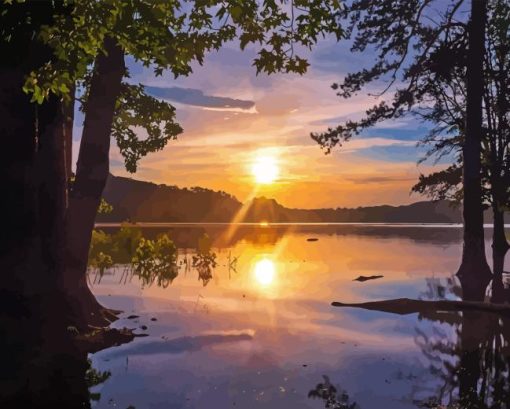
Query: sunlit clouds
[{"x": 266, "y": 149}]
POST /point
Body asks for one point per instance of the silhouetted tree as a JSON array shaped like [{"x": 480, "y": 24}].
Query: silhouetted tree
[
  {"x": 448, "y": 112},
  {"x": 413, "y": 40}
]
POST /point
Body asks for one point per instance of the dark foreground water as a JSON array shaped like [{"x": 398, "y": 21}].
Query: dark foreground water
[{"x": 261, "y": 332}]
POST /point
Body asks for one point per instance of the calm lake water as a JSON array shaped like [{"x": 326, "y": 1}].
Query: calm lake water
[{"x": 262, "y": 333}]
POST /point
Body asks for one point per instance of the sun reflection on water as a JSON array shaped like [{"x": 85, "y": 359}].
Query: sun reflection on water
[{"x": 264, "y": 271}]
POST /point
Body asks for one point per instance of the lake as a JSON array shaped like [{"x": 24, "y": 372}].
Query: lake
[{"x": 261, "y": 333}]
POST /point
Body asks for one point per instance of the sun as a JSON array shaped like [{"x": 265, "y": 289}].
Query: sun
[
  {"x": 265, "y": 169},
  {"x": 264, "y": 271}
]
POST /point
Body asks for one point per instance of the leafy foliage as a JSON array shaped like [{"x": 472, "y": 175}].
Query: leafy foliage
[
  {"x": 125, "y": 242},
  {"x": 152, "y": 261},
  {"x": 441, "y": 185},
  {"x": 156, "y": 260},
  {"x": 135, "y": 109},
  {"x": 171, "y": 35},
  {"x": 101, "y": 242},
  {"x": 104, "y": 207}
]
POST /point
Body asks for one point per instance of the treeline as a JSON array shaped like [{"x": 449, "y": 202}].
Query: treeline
[{"x": 139, "y": 201}]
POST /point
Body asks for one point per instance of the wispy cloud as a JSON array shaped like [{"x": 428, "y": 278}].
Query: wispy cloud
[{"x": 196, "y": 97}]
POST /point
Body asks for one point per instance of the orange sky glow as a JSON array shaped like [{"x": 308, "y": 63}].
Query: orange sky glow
[{"x": 220, "y": 144}]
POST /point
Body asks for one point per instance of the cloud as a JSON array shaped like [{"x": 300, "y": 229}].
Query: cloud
[
  {"x": 375, "y": 142},
  {"x": 332, "y": 121},
  {"x": 183, "y": 344},
  {"x": 190, "y": 96},
  {"x": 380, "y": 179}
]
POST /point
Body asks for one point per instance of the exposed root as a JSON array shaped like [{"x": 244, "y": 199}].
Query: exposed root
[{"x": 97, "y": 339}]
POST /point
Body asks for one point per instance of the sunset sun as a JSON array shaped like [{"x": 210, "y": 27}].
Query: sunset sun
[{"x": 265, "y": 169}]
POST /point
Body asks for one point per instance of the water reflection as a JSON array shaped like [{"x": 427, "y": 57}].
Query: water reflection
[
  {"x": 43, "y": 366},
  {"x": 252, "y": 324},
  {"x": 473, "y": 365},
  {"x": 264, "y": 271},
  {"x": 469, "y": 353},
  {"x": 332, "y": 397}
]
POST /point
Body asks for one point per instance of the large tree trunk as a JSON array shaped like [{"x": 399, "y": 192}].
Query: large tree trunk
[
  {"x": 474, "y": 272},
  {"x": 20, "y": 239},
  {"x": 52, "y": 186},
  {"x": 91, "y": 174},
  {"x": 34, "y": 182}
]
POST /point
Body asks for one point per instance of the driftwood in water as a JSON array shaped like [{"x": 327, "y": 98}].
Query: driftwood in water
[
  {"x": 404, "y": 306},
  {"x": 366, "y": 278}
]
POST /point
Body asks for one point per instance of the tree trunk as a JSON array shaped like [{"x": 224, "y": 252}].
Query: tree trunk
[
  {"x": 474, "y": 272},
  {"x": 92, "y": 171},
  {"x": 499, "y": 293},
  {"x": 52, "y": 186},
  {"x": 499, "y": 241},
  {"x": 499, "y": 250},
  {"x": 20, "y": 237},
  {"x": 33, "y": 180}
]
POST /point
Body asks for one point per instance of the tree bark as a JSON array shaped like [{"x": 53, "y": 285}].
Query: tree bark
[
  {"x": 20, "y": 237},
  {"x": 499, "y": 241},
  {"x": 33, "y": 180},
  {"x": 474, "y": 272},
  {"x": 499, "y": 250},
  {"x": 52, "y": 186},
  {"x": 92, "y": 171}
]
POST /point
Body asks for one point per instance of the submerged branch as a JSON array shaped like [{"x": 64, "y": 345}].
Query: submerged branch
[{"x": 404, "y": 306}]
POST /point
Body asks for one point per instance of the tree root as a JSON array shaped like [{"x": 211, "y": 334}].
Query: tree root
[{"x": 97, "y": 339}]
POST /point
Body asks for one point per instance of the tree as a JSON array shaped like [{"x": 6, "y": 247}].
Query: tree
[
  {"x": 414, "y": 43},
  {"x": 448, "y": 112},
  {"x": 89, "y": 41}
]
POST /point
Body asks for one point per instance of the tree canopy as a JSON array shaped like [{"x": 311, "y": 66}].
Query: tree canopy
[{"x": 168, "y": 35}]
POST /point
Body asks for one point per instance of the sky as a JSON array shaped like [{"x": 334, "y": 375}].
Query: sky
[{"x": 231, "y": 117}]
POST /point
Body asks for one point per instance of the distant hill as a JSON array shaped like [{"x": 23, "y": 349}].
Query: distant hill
[
  {"x": 139, "y": 201},
  {"x": 135, "y": 200}
]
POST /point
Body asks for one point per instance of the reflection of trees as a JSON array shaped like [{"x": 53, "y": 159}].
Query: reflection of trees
[
  {"x": 42, "y": 366},
  {"x": 93, "y": 377},
  {"x": 205, "y": 259},
  {"x": 332, "y": 397},
  {"x": 473, "y": 365}
]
